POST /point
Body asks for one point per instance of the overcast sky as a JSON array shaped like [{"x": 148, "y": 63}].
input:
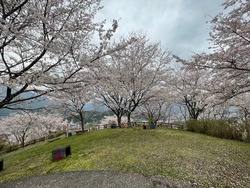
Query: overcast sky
[{"x": 180, "y": 25}]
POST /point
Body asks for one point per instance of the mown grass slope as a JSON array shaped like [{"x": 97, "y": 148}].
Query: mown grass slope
[{"x": 173, "y": 153}]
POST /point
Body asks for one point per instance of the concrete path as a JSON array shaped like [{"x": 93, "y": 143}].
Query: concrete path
[{"x": 96, "y": 179}]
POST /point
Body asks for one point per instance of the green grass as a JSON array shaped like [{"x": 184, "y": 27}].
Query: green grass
[{"x": 173, "y": 153}]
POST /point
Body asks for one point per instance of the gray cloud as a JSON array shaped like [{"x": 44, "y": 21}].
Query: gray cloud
[{"x": 180, "y": 25}]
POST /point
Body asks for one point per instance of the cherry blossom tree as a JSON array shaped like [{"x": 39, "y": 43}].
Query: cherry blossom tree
[
  {"x": 133, "y": 75},
  {"x": 109, "y": 120},
  {"x": 110, "y": 95},
  {"x": 221, "y": 111},
  {"x": 182, "y": 114},
  {"x": 26, "y": 125},
  {"x": 154, "y": 109},
  {"x": 19, "y": 126},
  {"x": 242, "y": 104},
  {"x": 73, "y": 102},
  {"x": 48, "y": 123},
  {"x": 229, "y": 60},
  {"x": 192, "y": 89},
  {"x": 46, "y": 43}
]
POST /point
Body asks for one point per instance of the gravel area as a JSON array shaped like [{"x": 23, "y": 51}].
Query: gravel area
[{"x": 96, "y": 179}]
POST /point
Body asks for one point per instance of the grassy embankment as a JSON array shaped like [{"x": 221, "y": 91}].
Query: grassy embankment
[{"x": 173, "y": 153}]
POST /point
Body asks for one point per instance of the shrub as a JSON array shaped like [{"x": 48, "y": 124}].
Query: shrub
[
  {"x": 228, "y": 129},
  {"x": 200, "y": 126},
  {"x": 2, "y": 145}
]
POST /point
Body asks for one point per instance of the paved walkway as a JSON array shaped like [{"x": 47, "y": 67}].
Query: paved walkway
[{"x": 96, "y": 179}]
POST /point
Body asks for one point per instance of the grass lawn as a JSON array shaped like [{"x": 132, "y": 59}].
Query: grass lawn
[{"x": 173, "y": 153}]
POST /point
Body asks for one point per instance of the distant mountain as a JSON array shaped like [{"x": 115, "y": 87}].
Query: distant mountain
[
  {"x": 43, "y": 102},
  {"x": 91, "y": 107},
  {"x": 4, "y": 112},
  {"x": 32, "y": 104},
  {"x": 92, "y": 116}
]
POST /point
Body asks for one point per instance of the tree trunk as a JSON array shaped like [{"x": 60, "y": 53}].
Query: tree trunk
[
  {"x": 119, "y": 120},
  {"x": 193, "y": 113},
  {"x": 23, "y": 141},
  {"x": 169, "y": 115},
  {"x": 82, "y": 122},
  {"x": 22, "y": 144},
  {"x": 248, "y": 131},
  {"x": 155, "y": 122},
  {"x": 129, "y": 119}
]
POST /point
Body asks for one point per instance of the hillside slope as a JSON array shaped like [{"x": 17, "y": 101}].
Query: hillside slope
[{"x": 173, "y": 153}]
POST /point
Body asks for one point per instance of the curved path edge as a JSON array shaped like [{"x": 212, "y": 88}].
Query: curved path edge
[{"x": 97, "y": 179}]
